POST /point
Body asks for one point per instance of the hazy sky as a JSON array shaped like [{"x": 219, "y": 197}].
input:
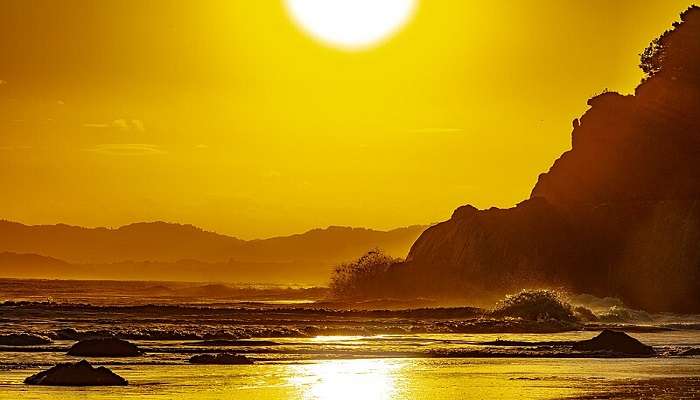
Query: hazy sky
[{"x": 226, "y": 115}]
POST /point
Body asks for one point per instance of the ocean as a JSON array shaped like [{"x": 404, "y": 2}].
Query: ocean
[{"x": 304, "y": 350}]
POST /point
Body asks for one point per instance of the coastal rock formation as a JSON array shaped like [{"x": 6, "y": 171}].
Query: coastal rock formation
[
  {"x": 23, "y": 339},
  {"x": 617, "y": 215},
  {"x": 104, "y": 347},
  {"x": 691, "y": 352},
  {"x": 607, "y": 344},
  {"x": 76, "y": 374},
  {"x": 615, "y": 342},
  {"x": 220, "y": 359}
]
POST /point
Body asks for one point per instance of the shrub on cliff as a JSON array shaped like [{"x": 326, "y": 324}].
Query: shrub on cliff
[{"x": 677, "y": 51}]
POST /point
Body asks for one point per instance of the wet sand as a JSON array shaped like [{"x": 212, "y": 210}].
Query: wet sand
[{"x": 390, "y": 379}]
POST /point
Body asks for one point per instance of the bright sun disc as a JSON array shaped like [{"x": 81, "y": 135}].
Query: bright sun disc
[{"x": 351, "y": 24}]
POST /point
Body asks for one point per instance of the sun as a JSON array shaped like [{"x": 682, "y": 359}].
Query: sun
[{"x": 351, "y": 24}]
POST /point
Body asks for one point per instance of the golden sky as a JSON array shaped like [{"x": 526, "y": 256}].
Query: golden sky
[{"x": 226, "y": 115}]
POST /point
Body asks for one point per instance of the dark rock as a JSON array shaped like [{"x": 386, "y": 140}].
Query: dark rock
[
  {"x": 66, "y": 334},
  {"x": 23, "y": 339},
  {"x": 584, "y": 314},
  {"x": 615, "y": 342},
  {"x": 607, "y": 343},
  {"x": 691, "y": 352},
  {"x": 104, "y": 347},
  {"x": 520, "y": 343},
  {"x": 224, "y": 342},
  {"x": 76, "y": 374},
  {"x": 220, "y": 359},
  {"x": 487, "y": 254}
]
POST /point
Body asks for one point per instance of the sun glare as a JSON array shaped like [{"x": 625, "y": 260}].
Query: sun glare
[
  {"x": 348, "y": 379},
  {"x": 351, "y": 24}
]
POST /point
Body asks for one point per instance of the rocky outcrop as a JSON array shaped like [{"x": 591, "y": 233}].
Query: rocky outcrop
[
  {"x": 615, "y": 342},
  {"x": 493, "y": 252},
  {"x": 23, "y": 339},
  {"x": 104, "y": 347},
  {"x": 76, "y": 374},
  {"x": 607, "y": 344},
  {"x": 617, "y": 215},
  {"x": 220, "y": 359},
  {"x": 691, "y": 352}
]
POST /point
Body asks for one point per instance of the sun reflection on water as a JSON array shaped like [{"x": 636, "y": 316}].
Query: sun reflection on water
[{"x": 348, "y": 379}]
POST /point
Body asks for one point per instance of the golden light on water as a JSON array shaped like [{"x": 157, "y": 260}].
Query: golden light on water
[
  {"x": 339, "y": 338},
  {"x": 348, "y": 379}
]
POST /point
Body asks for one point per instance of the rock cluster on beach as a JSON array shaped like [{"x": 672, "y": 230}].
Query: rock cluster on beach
[
  {"x": 76, "y": 374},
  {"x": 691, "y": 352},
  {"x": 220, "y": 359},
  {"x": 615, "y": 342},
  {"x": 104, "y": 347},
  {"x": 23, "y": 339},
  {"x": 607, "y": 344}
]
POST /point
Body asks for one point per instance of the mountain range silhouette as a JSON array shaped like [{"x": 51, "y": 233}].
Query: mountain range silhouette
[{"x": 166, "y": 251}]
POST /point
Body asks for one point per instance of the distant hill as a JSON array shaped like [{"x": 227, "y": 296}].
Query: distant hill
[
  {"x": 13, "y": 265},
  {"x": 157, "y": 241},
  {"x": 166, "y": 251}
]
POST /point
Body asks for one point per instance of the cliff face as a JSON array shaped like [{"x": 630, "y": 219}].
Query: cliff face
[{"x": 617, "y": 215}]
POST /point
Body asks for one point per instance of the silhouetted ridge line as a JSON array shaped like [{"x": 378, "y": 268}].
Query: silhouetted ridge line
[{"x": 165, "y": 251}]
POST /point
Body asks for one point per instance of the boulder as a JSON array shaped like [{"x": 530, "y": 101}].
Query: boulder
[
  {"x": 76, "y": 374},
  {"x": 584, "y": 314},
  {"x": 23, "y": 339},
  {"x": 104, "y": 347},
  {"x": 615, "y": 342},
  {"x": 220, "y": 359},
  {"x": 691, "y": 352}
]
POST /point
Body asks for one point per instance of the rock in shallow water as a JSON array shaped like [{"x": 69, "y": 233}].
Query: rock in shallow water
[
  {"x": 76, "y": 374},
  {"x": 104, "y": 347},
  {"x": 691, "y": 352},
  {"x": 226, "y": 342},
  {"x": 220, "y": 359},
  {"x": 23, "y": 339},
  {"x": 615, "y": 342}
]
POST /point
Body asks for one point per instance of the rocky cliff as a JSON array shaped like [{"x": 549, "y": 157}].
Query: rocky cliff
[{"x": 617, "y": 215}]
